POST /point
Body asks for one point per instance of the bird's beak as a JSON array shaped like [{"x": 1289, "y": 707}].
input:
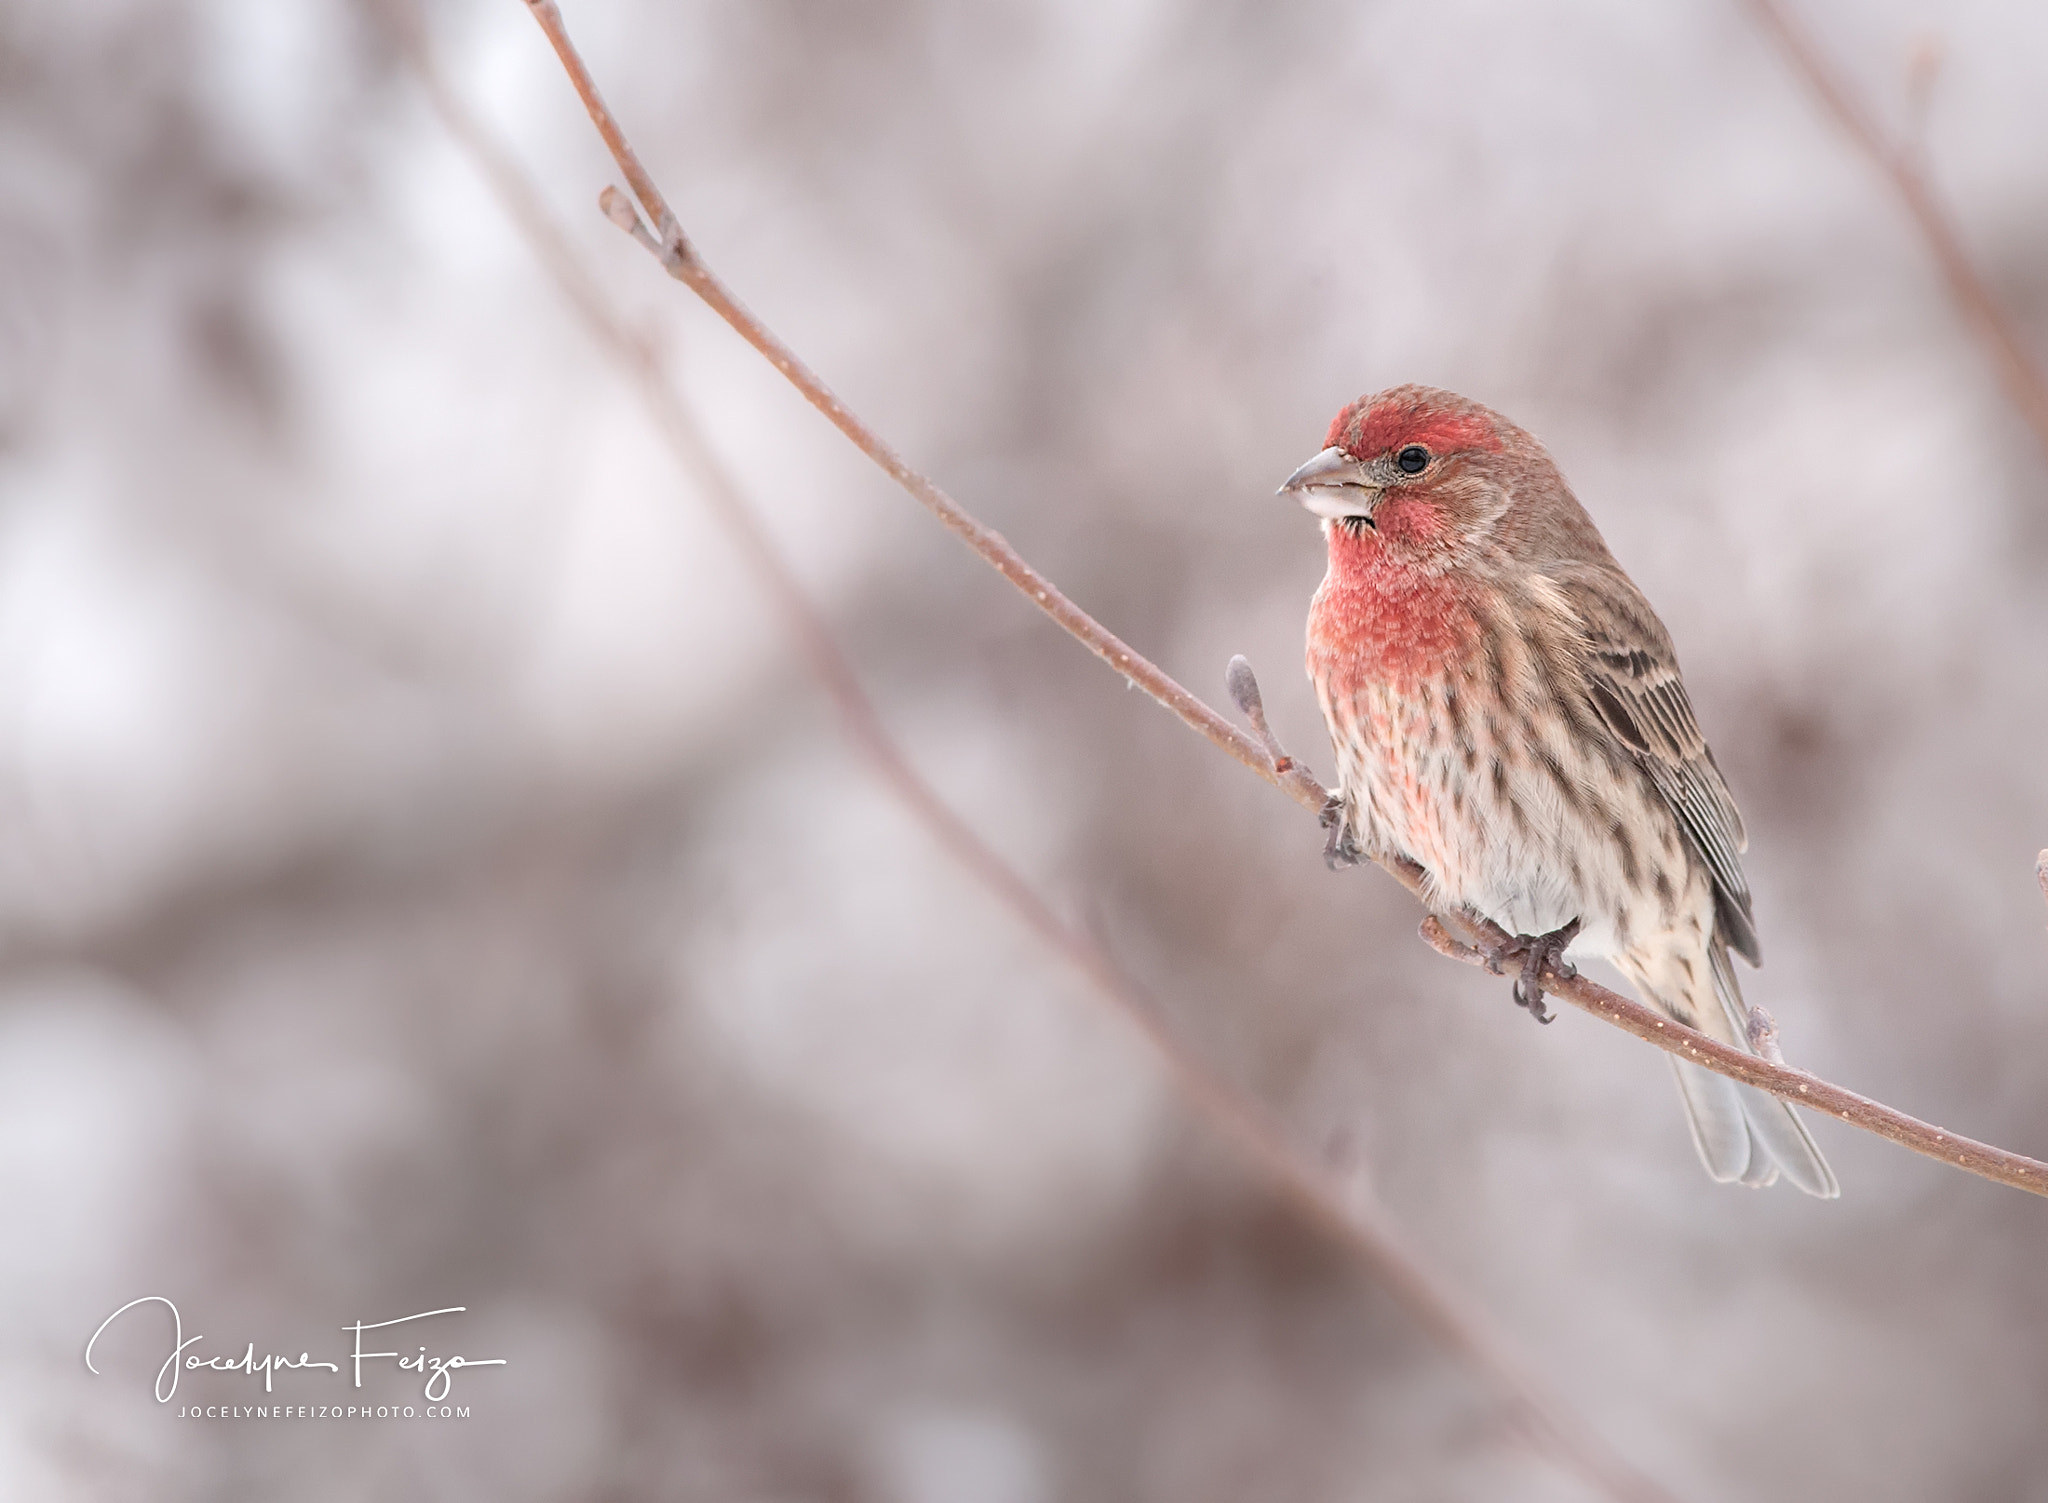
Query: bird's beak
[{"x": 1333, "y": 485}]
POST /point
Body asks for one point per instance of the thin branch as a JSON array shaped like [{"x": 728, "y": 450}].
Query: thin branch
[
  {"x": 1981, "y": 1159},
  {"x": 2018, "y": 371},
  {"x": 1243, "y": 685},
  {"x": 1290, "y": 776},
  {"x": 1354, "y": 1219},
  {"x": 682, "y": 262}
]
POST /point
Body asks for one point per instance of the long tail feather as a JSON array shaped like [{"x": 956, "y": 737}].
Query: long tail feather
[
  {"x": 1743, "y": 1135},
  {"x": 1720, "y": 1126},
  {"x": 1774, "y": 1127}
]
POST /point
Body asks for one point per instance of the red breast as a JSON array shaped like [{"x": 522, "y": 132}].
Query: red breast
[{"x": 1379, "y": 619}]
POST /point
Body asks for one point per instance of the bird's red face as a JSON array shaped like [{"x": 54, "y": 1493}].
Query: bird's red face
[{"x": 1407, "y": 471}]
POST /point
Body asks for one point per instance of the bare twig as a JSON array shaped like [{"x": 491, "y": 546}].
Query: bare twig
[
  {"x": 1448, "y": 944},
  {"x": 1763, "y": 1034},
  {"x": 1244, "y": 693},
  {"x": 682, "y": 262},
  {"x": 1982, "y": 1159},
  {"x": 1295, "y": 780},
  {"x": 1355, "y": 1220},
  {"x": 1900, "y": 162}
]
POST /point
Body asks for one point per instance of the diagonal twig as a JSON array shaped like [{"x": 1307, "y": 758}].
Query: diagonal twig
[
  {"x": 680, "y": 259},
  {"x": 1354, "y": 1219},
  {"x": 2018, "y": 371}
]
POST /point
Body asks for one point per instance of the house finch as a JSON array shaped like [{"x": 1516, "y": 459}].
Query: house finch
[{"x": 1507, "y": 713}]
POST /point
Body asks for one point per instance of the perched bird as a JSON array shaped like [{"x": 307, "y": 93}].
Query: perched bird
[{"x": 1507, "y": 713}]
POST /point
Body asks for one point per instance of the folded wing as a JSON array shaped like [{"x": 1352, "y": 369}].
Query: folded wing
[{"x": 1631, "y": 679}]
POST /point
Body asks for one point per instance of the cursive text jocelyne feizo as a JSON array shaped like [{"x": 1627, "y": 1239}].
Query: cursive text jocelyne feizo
[{"x": 436, "y": 1371}]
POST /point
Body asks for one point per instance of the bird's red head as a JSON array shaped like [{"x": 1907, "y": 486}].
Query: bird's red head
[
  {"x": 1411, "y": 471},
  {"x": 1438, "y": 422}
]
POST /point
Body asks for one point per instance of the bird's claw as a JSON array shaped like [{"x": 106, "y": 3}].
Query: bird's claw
[
  {"x": 1340, "y": 850},
  {"x": 1535, "y": 952}
]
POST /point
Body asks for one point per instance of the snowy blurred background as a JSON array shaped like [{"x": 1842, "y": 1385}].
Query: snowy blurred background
[{"x": 426, "y": 877}]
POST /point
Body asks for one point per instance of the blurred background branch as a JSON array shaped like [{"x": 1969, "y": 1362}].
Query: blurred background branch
[{"x": 1903, "y": 166}]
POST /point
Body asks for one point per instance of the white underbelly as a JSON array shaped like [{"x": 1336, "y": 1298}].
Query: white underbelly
[{"x": 1493, "y": 829}]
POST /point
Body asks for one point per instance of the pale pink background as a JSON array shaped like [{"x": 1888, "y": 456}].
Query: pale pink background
[{"x": 427, "y": 878}]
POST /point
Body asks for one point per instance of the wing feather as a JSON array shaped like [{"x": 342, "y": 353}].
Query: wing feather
[{"x": 1631, "y": 680}]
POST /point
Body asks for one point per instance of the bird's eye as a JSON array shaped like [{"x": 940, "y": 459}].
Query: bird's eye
[{"x": 1413, "y": 459}]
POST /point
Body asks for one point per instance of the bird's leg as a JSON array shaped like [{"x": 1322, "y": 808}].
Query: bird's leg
[
  {"x": 1340, "y": 850},
  {"x": 1534, "y": 951}
]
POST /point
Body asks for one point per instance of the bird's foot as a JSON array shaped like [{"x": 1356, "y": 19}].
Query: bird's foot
[
  {"x": 1535, "y": 952},
  {"x": 1340, "y": 850}
]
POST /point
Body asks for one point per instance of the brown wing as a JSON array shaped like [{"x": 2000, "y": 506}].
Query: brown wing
[{"x": 1631, "y": 678}]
